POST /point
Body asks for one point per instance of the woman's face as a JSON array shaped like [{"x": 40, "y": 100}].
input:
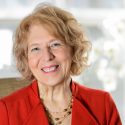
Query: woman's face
[{"x": 49, "y": 58}]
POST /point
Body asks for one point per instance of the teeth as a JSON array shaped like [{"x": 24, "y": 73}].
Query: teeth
[{"x": 49, "y": 69}]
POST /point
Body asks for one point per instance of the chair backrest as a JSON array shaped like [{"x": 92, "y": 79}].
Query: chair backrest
[{"x": 9, "y": 85}]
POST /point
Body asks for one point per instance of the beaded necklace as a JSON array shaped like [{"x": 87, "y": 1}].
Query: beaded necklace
[{"x": 57, "y": 118}]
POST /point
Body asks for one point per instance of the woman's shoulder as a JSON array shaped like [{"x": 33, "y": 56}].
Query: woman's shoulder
[
  {"x": 98, "y": 103},
  {"x": 94, "y": 97},
  {"x": 84, "y": 89},
  {"x": 92, "y": 94}
]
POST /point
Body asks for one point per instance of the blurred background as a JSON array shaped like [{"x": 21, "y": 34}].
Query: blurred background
[{"x": 103, "y": 22}]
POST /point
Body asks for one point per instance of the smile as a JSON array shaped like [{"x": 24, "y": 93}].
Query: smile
[{"x": 50, "y": 69}]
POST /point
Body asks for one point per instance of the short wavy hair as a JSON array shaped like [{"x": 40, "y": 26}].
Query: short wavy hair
[{"x": 61, "y": 24}]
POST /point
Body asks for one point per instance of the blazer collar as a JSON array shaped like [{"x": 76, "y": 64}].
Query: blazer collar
[{"x": 80, "y": 114}]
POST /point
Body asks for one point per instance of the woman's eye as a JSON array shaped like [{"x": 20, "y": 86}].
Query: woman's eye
[
  {"x": 55, "y": 45},
  {"x": 35, "y": 49}
]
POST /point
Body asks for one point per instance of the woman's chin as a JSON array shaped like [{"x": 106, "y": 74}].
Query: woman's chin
[{"x": 52, "y": 82}]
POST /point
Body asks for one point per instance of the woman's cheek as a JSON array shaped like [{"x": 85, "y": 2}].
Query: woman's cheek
[{"x": 32, "y": 63}]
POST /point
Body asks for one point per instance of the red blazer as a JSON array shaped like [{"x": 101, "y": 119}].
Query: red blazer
[{"x": 90, "y": 107}]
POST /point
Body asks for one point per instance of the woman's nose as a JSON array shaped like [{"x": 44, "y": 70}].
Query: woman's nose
[{"x": 48, "y": 55}]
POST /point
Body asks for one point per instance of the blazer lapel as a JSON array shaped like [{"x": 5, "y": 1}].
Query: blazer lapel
[
  {"x": 37, "y": 117},
  {"x": 80, "y": 115}
]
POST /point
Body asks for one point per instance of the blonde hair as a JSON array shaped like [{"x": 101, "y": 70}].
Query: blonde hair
[{"x": 63, "y": 25}]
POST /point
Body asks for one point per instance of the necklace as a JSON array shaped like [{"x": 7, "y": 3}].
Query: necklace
[{"x": 56, "y": 118}]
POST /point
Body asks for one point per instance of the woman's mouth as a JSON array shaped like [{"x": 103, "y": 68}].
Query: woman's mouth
[{"x": 49, "y": 69}]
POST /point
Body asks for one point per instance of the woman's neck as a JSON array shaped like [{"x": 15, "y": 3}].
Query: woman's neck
[{"x": 55, "y": 96}]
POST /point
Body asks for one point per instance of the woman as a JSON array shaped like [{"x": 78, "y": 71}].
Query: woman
[{"x": 50, "y": 48}]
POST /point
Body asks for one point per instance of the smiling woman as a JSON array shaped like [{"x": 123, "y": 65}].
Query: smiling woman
[
  {"x": 49, "y": 59},
  {"x": 49, "y": 48}
]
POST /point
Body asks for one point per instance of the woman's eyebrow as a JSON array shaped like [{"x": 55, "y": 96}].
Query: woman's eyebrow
[
  {"x": 53, "y": 40},
  {"x": 56, "y": 40},
  {"x": 33, "y": 44},
  {"x": 37, "y": 44}
]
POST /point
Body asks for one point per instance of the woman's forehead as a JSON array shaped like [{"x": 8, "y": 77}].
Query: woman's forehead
[{"x": 39, "y": 30}]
